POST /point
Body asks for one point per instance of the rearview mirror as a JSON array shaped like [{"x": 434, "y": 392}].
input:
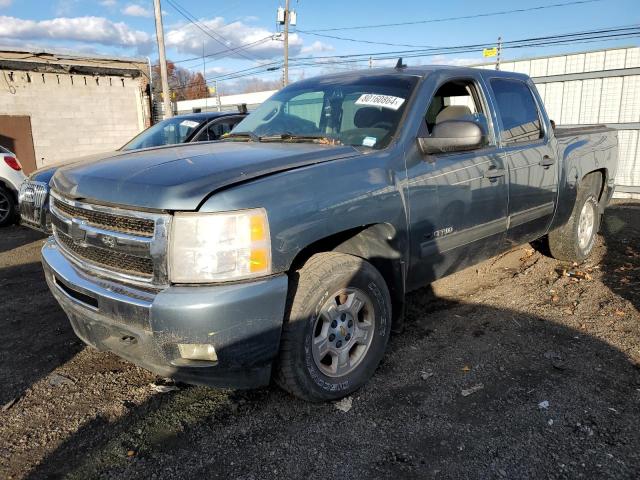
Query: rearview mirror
[{"x": 452, "y": 136}]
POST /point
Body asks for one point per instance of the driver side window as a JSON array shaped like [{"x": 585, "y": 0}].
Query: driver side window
[{"x": 456, "y": 100}]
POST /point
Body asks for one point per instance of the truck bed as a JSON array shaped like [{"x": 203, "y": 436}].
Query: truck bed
[{"x": 575, "y": 130}]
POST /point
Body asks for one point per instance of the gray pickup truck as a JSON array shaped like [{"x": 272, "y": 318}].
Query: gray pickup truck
[{"x": 285, "y": 250}]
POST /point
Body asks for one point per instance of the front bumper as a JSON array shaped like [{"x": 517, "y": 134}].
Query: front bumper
[{"x": 242, "y": 321}]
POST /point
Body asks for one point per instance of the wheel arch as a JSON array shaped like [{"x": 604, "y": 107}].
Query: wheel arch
[{"x": 380, "y": 244}]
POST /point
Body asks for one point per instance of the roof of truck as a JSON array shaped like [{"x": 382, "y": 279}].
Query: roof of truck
[{"x": 420, "y": 71}]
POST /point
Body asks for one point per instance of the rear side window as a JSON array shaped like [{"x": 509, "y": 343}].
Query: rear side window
[{"x": 517, "y": 110}]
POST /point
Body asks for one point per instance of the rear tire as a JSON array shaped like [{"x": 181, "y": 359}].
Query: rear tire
[
  {"x": 574, "y": 241},
  {"x": 337, "y": 329},
  {"x": 7, "y": 207}
]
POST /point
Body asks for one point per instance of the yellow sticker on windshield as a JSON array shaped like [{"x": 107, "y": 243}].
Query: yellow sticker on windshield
[{"x": 384, "y": 101}]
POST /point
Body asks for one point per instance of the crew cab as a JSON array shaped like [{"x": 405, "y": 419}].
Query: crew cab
[
  {"x": 285, "y": 250},
  {"x": 187, "y": 128}
]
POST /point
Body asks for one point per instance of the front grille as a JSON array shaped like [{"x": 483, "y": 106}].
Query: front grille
[
  {"x": 118, "y": 223},
  {"x": 32, "y": 198},
  {"x": 124, "y": 245},
  {"x": 111, "y": 259}
]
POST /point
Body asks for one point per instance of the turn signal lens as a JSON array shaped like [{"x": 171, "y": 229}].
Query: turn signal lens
[{"x": 198, "y": 351}]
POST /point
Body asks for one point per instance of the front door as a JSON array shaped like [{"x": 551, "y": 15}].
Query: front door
[
  {"x": 458, "y": 200},
  {"x": 530, "y": 156}
]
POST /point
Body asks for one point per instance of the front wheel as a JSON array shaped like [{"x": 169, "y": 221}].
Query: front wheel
[
  {"x": 575, "y": 240},
  {"x": 337, "y": 329}
]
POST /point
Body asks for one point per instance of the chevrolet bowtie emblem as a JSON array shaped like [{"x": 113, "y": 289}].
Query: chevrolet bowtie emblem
[{"x": 77, "y": 231}]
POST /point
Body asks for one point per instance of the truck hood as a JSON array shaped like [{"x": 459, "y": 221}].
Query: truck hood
[
  {"x": 181, "y": 177},
  {"x": 44, "y": 174}
]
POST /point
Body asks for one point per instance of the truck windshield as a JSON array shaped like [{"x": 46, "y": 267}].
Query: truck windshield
[
  {"x": 360, "y": 111},
  {"x": 168, "y": 132}
]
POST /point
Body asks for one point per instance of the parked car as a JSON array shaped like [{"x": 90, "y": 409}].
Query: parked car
[
  {"x": 286, "y": 250},
  {"x": 195, "y": 127},
  {"x": 11, "y": 177}
]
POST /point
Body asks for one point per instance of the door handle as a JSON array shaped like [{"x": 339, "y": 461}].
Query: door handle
[
  {"x": 547, "y": 161},
  {"x": 494, "y": 173}
]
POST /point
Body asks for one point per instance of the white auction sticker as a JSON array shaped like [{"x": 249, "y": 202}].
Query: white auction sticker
[
  {"x": 384, "y": 101},
  {"x": 189, "y": 123},
  {"x": 369, "y": 141}
]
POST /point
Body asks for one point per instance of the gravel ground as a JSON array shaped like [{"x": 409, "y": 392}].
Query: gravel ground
[{"x": 510, "y": 369}]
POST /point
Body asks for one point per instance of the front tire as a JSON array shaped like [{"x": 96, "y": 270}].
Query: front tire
[
  {"x": 7, "y": 207},
  {"x": 337, "y": 328},
  {"x": 574, "y": 241}
]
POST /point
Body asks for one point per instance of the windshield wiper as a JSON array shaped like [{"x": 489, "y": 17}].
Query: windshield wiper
[
  {"x": 292, "y": 137},
  {"x": 248, "y": 136}
]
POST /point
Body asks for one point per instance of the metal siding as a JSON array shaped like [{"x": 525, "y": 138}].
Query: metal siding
[
  {"x": 553, "y": 100},
  {"x": 633, "y": 58},
  {"x": 594, "y": 61},
  {"x": 570, "y": 113},
  {"x": 575, "y": 63},
  {"x": 628, "y": 164},
  {"x": 610, "y": 100},
  {"x": 630, "y": 106},
  {"x": 590, "y": 102}
]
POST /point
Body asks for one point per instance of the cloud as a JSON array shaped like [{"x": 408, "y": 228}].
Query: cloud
[
  {"x": 187, "y": 39},
  {"x": 79, "y": 29},
  {"x": 316, "y": 47},
  {"x": 134, "y": 10},
  {"x": 65, "y": 7},
  {"x": 5, "y": 3},
  {"x": 108, "y": 3}
]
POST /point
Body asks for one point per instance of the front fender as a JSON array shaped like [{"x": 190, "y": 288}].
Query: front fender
[{"x": 309, "y": 204}]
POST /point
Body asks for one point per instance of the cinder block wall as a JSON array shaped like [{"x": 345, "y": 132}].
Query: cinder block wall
[{"x": 74, "y": 115}]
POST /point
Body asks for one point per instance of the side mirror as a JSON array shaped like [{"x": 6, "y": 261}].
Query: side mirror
[{"x": 452, "y": 136}]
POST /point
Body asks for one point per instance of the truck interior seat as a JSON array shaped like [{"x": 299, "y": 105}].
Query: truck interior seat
[{"x": 453, "y": 112}]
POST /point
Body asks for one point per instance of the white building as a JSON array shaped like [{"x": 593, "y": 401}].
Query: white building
[{"x": 55, "y": 106}]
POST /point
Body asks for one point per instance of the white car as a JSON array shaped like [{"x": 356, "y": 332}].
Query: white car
[{"x": 11, "y": 177}]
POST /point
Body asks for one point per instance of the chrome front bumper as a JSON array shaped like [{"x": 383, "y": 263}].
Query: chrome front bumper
[{"x": 242, "y": 321}]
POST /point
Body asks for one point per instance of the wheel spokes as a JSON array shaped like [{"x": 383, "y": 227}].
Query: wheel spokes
[
  {"x": 354, "y": 304},
  {"x": 342, "y": 362},
  {"x": 363, "y": 330}
]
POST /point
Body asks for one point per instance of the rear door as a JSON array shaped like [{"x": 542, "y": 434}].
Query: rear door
[{"x": 530, "y": 158}]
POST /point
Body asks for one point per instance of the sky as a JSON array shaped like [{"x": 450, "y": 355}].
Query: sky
[{"x": 127, "y": 28}]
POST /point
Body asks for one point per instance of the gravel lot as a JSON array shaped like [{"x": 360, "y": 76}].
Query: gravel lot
[{"x": 510, "y": 369}]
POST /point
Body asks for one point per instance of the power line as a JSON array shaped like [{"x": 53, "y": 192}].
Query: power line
[
  {"x": 450, "y": 19},
  {"x": 606, "y": 34},
  {"x": 371, "y": 42},
  {"x": 244, "y": 46}
]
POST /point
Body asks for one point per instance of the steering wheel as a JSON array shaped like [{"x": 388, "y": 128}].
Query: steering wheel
[{"x": 382, "y": 125}]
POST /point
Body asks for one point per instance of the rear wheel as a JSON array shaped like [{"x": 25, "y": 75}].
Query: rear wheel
[
  {"x": 337, "y": 328},
  {"x": 575, "y": 240},
  {"x": 7, "y": 207}
]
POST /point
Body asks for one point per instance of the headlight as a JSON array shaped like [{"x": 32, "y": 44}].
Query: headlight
[{"x": 214, "y": 247}]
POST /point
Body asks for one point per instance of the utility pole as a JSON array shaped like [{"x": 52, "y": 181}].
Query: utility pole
[
  {"x": 218, "y": 96},
  {"x": 168, "y": 112},
  {"x": 499, "y": 52},
  {"x": 285, "y": 77}
]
